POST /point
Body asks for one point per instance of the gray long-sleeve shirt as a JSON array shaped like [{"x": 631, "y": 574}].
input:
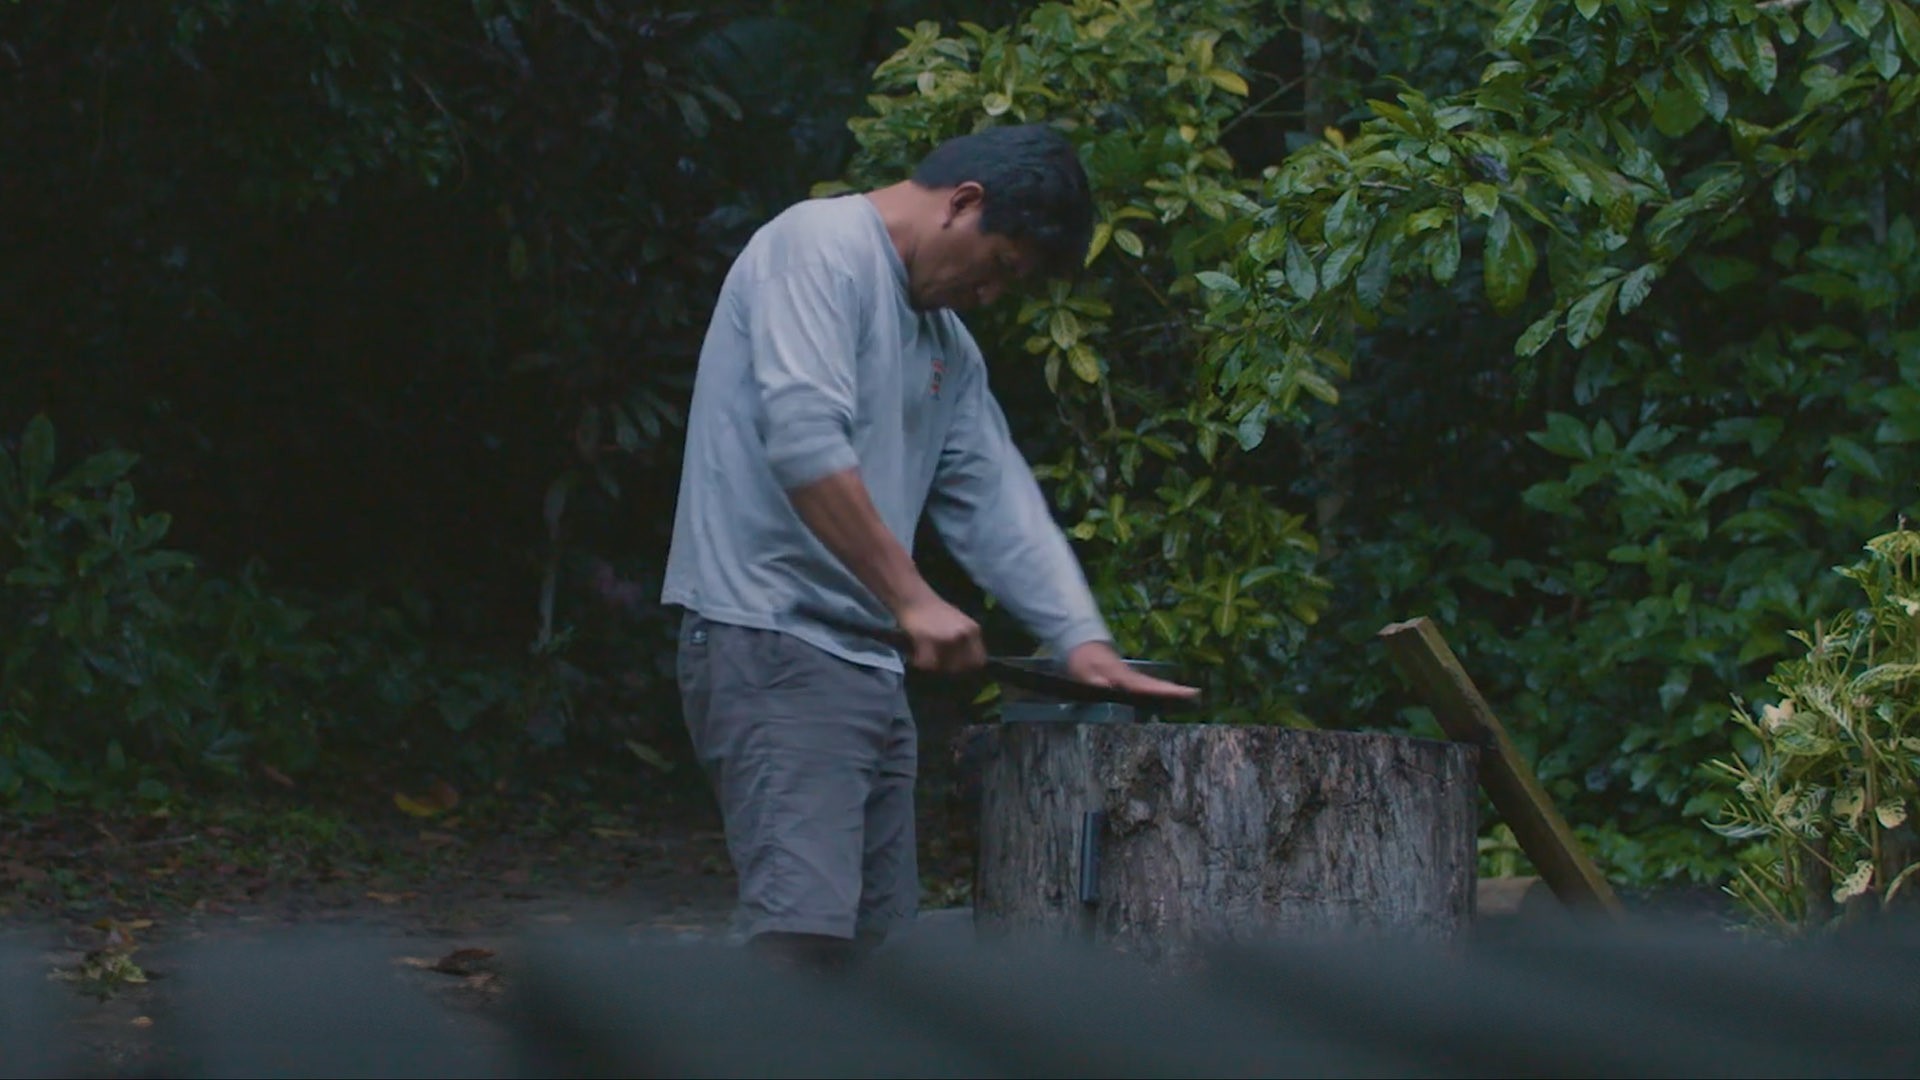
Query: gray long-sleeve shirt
[{"x": 815, "y": 362}]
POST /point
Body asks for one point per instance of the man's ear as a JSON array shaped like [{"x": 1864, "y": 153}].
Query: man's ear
[{"x": 965, "y": 197}]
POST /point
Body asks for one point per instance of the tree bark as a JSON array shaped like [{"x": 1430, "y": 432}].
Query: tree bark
[{"x": 1202, "y": 833}]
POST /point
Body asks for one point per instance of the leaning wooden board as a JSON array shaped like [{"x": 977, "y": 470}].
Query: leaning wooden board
[{"x": 1425, "y": 660}]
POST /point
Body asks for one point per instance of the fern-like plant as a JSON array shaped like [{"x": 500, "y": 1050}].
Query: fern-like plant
[{"x": 1827, "y": 787}]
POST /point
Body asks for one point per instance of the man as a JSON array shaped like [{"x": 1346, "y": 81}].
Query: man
[{"x": 838, "y": 397}]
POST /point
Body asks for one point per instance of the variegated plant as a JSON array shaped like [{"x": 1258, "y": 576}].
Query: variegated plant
[{"x": 1828, "y": 785}]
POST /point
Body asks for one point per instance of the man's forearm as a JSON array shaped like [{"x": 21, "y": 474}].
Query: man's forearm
[{"x": 841, "y": 513}]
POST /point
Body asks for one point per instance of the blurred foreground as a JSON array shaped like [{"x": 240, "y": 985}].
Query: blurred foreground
[{"x": 1540, "y": 997}]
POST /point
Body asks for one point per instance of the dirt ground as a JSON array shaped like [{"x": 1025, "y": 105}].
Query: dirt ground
[{"x": 99, "y": 913}]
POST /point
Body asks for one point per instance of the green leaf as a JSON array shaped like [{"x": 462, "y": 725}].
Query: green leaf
[
  {"x": 1883, "y": 53},
  {"x": 1674, "y": 690},
  {"x": 1588, "y": 315},
  {"x": 1819, "y": 18},
  {"x": 1510, "y": 262},
  {"x": 1224, "y": 616},
  {"x": 1860, "y": 16},
  {"x": 1335, "y": 228},
  {"x": 1252, "y": 429},
  {"x": 1218, "y": 282},
  {"x": 1906, "y": 24},
  {"x": 1587, "y": 8},
  {"x": 1317, "y": 385},
  {"x": 1518, "y": 23},
  {"x": 1129, "y": 241},
  {"x": 1443, "y": 255},
  {"x": 1638, "y": 285},
  {"x": 98, "y": 471},
  {"x": 1725, "y": 53},
  {"x": 1675, "y": 112},
  {"x": 1102, "y": 233},
  {"x": 1229, "y": 81},
  {"x": 1398, "y": 116},
  {"x": 36, "y": 456},
  {"x": 1724, "y": 482},
  {"x": 1376, "y": 273},
  {"x": 1538, "y": 334},
  {"x": 1786, "y": 187},
  {"x": 1301, "y": 276},
  {"x": 1482, "y": 199},
  {"x": 1085, "y": 364},
  {"x": 1431, "y": 218},
  {"x": 1765, "y": 68},
  {"x": 1695, "y": 81},
  {"x": 1341, "y": 262},
  {"x": 1565, "y": 436},
  {"x": 1854, "y": 457},
  {"x": 1064, "y": 328}
]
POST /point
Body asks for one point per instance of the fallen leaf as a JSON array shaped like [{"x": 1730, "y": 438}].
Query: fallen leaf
[
  {"x": 555, "y": 917},
  {"x": 516, "y": 876},
  {"x": 142, "y": 1021},
  {"x": 462, "y": 961},
  {"x": 437, "y": 839},
  {"x": 119, "y": 934},
  {"x": 390, "y": 899},
  {"x": 439, "y": 798},
  {"x": 614, "y": 834},
  {"x": 277, "y": 776},
  {"x": 487, "y": 982},
  {"x": 413, "y": 806}
]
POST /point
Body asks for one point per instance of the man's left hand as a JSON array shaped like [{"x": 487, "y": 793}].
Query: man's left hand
[{"x": 1097, "y": 663}]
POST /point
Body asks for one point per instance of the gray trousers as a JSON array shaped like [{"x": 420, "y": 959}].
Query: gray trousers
[{"x": 812, "y": 760}]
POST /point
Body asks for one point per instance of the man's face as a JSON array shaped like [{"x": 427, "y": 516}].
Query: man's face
[{"x": 960, "y": 267}]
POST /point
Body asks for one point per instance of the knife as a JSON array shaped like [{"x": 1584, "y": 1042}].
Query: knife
[{"x": 1034, "y": 674}]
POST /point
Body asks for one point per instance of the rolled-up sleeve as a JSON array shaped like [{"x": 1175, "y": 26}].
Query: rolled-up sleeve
[
  {"x": 803, "y": 328},
  {"x": 990, "y": 511}
]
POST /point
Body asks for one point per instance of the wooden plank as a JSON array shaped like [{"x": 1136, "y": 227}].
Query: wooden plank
[{"x": 1439, "y": 680}]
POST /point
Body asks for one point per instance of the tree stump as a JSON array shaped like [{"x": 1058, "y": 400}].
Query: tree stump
[{"x": 1196, "y": 833}]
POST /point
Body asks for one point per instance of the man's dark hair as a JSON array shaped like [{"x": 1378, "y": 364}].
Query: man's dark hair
[{"x": 1036, "y": 190}]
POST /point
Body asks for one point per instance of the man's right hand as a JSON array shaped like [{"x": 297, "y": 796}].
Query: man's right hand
[{"x": 944, "y": 638}]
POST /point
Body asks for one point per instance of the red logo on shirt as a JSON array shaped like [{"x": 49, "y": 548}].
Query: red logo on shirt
[{"x": 939, "y": 372}]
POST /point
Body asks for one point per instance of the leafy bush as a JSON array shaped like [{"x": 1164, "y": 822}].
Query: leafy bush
[
  {"x": 1655, "y": 401},
  {"x": 1189, "y": 548},
  {"x": 1592, "y": 355},
  {"x": 1830, "y": 775},
  {"x": 122, "y": 668}
]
